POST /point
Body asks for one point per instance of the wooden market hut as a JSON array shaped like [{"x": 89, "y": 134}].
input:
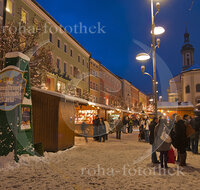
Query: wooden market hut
[
  {"x": 53, "y": 120},
  {"x": 180, "y": 108}
]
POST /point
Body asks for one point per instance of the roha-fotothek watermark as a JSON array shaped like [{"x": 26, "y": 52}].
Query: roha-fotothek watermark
[{"x": 126, "y": 170}]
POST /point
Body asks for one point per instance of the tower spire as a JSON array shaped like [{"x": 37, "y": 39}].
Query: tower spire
[
  {"x": 186, "y": 35},
  {"x": 187, "y": 51}
]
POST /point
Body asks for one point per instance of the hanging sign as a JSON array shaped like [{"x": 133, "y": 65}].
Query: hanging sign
[
  {"x": 26, "y": 117},
  {"x": 12, "y": 88}
]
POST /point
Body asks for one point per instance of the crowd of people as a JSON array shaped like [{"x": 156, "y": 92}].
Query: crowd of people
[
  {"x": 100, "y": 129},
  {"x": 166, "y": 136},
  {"x": 179, "y": 134},
  {"x": 141, "y": 122}
]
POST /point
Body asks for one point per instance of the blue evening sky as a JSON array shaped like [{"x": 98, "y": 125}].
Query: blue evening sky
[{"x": 127, "y": 26}]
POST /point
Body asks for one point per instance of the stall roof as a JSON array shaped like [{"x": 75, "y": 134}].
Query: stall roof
[
  {"x": 175, "y": 105},
  {"x": 62, "y": 96},
  {"x": 79, "y": 100}
]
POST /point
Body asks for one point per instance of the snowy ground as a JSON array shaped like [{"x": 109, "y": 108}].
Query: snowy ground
[{"x": 117, "y": 164}]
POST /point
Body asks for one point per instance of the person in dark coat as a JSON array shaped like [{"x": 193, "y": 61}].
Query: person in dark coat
[
  {"x": 102, "y": 130},
  {"x": 119, "y": 127},
  {"x": 187, "y": 122},
  {"x": 125, "y": 122},
  {"x": 196, "y": 127},
  {"x": 84, "y": 131},
  {"x": 162, "y": 145},
  {"x": 96, "y": 124},
  {"x": 151, "y": 140},
  {"x": 181, "y": 139},
  {"x": 130, "y": 125}
]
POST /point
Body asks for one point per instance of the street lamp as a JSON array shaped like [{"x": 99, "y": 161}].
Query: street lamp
[
  {"x": 158, "y": 30},
  {"x": 143, "y": 57},
  {"x": 155, "y": 43}
]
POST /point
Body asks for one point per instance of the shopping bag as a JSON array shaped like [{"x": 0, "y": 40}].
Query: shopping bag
[
  {"x": 171, "y": 156},
  {"x": 189, "y": 131},
  {"x": 165, "y": 137}
]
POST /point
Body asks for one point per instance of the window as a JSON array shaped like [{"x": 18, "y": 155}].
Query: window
[
  {"x": 79, "y": 59},
  {"x": 65, "y": 48},
  {"x": 83, "y": 61},
  {"x": 58, "y": 63},
  {"x": 187, "y": 89},
  {"x": 24, "y": 16},
  {"x": 93, "y": 86},
  {"x": 50, "y": 37},
  {"x": 97, "y": 88},
  {"x": 58, "y": 43},
  {"x": 90, "y": 84},
  {"x": 71, "y": 70},
  {"x": 65, "y": 68},
  {"x": 188, "y": 59},
  {"x": 9, "y": 6},
  {"x": 71, "y": 53},
  {"x": 198, "y": 88}
]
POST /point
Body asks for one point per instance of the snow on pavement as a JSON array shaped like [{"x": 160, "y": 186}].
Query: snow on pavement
[{"x": 117, "y": 164}]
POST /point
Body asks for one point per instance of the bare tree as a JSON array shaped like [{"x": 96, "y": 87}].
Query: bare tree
[{"x": 25, "y": 39}]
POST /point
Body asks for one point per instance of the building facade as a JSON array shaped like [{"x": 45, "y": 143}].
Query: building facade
[
  {"x": 110, "y": 88},
  {"x": 175, "y": 89},
  {"x": 130, "y": 96},
  {"x": 126, "y": 94},
  {"x": 94, "y": 81},
  {"x": 71, "y": 60},
  {"x": 143, "y": 101},
  {"x": 74, "y": 73},
  {"x": 190, "y": 80},
  {"x": 185, "y": 87},
  {"x": 135, "y": 98}
]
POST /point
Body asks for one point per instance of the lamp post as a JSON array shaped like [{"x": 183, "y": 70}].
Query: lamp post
[
  {"x": 154, "y": 56},
  {"x": 145, "y": 73},
  {"x": 144, "y": 56}
]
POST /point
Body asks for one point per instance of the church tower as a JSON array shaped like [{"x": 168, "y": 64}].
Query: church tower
[{"x": 187, "y": 52}]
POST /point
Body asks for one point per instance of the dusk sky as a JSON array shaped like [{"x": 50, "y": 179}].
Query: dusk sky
[{"x": 128, "y": 24}]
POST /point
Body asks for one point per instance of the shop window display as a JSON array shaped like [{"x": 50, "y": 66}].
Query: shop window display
[{"x": 85, "y": 115}]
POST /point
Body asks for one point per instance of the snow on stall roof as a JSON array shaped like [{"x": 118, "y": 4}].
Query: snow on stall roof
[
  {"x": 17, "y": 54},
  {"x": 175, "y": 105},
  {"x": 79, "y": 100},
  {"x": 58, "y": 94}
]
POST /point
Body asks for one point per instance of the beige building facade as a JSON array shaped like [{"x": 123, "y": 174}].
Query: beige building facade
[
  {"x": 185, "y": 87},
  {"x": 94, "y": 81},
  {"x": 71, "y": 60}
]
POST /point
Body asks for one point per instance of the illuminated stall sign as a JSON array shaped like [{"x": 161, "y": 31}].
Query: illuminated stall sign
[
  {"x": 12, "y": 88},
  {"x": 26, "y": 118}
]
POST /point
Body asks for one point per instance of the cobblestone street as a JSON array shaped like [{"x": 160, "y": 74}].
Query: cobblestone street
[{"x": 116, "y": 164}]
